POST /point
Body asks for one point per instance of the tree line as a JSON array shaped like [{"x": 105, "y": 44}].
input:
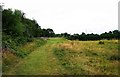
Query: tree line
[
  {"x": 84, "y": 37},
  {"x": 18, "y": 29}
]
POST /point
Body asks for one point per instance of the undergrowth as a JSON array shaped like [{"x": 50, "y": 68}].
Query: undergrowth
[{"x": 13, "y": 53}]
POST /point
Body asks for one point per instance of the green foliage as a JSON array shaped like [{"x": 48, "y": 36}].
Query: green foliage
[
  {"x": 12, "y": 23},
  {"x": 47, "y": 33},
  {"x": 21, "y": 40}
]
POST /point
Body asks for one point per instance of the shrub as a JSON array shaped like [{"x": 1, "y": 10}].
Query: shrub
[
  {"x": 20, "y": 40},
  {"x": 101, "y": 42}
]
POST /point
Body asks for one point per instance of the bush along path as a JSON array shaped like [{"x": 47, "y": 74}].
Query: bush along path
[{"x": 10, "y": 59}]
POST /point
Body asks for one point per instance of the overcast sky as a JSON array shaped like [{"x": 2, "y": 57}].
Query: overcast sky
[{"x": 72, "y": 16}]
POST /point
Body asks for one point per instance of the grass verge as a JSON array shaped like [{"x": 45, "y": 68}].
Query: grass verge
[{"x": 12, "y": 56}]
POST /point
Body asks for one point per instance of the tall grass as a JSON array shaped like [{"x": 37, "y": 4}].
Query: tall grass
[{"x": 88, "y": 57}]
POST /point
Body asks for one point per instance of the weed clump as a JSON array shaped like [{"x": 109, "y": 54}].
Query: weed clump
[
  {"x": 101, "y": 42},
  {"x": 59, "y": 52},
  {"x": 114, "y": 57}
]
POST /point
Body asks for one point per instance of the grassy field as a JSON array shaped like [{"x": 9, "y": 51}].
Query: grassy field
[{"x": 60, "y": 56}]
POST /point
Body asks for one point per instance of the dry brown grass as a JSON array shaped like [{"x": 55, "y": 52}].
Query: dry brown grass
[{"x": 89, "y": 56}]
